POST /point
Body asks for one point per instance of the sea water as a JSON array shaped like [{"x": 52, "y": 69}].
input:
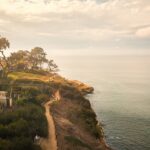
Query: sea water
[{"x": 122, "y": 95}]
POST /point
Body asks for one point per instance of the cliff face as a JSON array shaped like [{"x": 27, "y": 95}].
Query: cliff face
[{"x": 76, "y": 124}]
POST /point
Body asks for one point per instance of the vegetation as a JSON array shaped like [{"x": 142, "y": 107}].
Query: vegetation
[
  {"x": 30, "y": 79},
  {"x": 23, "y": 124},
  {"x": 25, "y": 75},
  {"x": 28, "y": 76},
  {"x": 77, "y": 142},
  {"x": 4, "y": 44},
  {"x": 19, "y": 125},
  {"x": 24, "y": 60},
  {"x": 89, "y": 116}
]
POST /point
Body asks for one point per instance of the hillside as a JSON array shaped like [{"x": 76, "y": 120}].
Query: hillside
[{"x": 75, "y": 121}]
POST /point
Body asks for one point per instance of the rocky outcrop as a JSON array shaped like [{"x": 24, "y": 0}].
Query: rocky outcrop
[{"x": 82, "y": 87}]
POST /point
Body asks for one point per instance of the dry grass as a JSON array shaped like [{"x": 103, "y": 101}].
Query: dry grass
[
  {"x": 37, "y": 77},
  {"x": 28, "y": 76}
]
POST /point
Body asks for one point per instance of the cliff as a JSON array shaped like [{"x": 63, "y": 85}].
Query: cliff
[
  {"x": 76, "y": 124},
  {"x": 75, "y": 121}
]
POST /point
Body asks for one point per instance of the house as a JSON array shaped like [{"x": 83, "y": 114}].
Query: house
[
  {"x": 3, "y": 98},
  {"x": 5, "y": 101}
]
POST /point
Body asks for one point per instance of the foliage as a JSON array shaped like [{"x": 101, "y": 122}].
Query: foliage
[
  {"x": 31, "y": 61},
  {"x": 76, "y": 142},
  {"x": 18, "y": 127},
  {"x": 37, "y": 58},
  {"x": 21, "y": 143},
  {"x": 4, "y": 44},
  {"x": 24, "y": 60},
  {"x": 19, "y": 60},
  {"x": 41, "y": 98},
  {"x": 36, "y": 95},
  {"x": 89, "y": 116}
]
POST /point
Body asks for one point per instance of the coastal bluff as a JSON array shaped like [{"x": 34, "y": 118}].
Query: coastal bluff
[{"x": 75, "y": 122}]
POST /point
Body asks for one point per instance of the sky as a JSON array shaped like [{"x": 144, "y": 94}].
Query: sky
[{"x": 77, "y": 26}]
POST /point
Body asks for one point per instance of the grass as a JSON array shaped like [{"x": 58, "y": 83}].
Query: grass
[
  {"x": 28, "y": 76},
  {"x": 54, "y": 79},
  {"x": 23, "y": 76}
]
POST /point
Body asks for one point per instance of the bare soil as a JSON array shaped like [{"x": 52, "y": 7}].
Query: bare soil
[
  {"x": 51, "y": 142},
  {"x": 71, "y": 130}
]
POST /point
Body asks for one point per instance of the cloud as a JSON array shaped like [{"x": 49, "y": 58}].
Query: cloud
[
  {"x": 143, "y": 32},
  {"x": 77, "y": 21}
]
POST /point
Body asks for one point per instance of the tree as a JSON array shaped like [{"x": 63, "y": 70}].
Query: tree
[
  {"x": 19, "y": 60},
  {"x": 52, "y": 67},
  {"x": 38, "y": 57},
  {"x": 34, "y": 60},
  {"x": 24, "y": 60},
  {"x": 4, "y": 44}
]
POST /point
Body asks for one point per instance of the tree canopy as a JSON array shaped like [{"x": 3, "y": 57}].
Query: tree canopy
[
  {"x": 25, "y": 60},
  {"x": 4, "y": 44}
]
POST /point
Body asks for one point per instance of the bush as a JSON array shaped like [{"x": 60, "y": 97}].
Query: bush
[
  {"x": 18, "y": 127},
  {"x": 22, "y": 143},
  {"x": 4, "y": 132},
  {"x": 88, "y": 113},
  {"x": 5, "y": 144},
  {"x": 30, "y": 93},
  {"x": 41, "y": 98},
  {"x": 89, "y": 117},
  {"x": 77, "y": 142},
  {"x": 21, "y": 102},
  {"x": 19, "y": 143},
  {"x": 25, "y": 121}
]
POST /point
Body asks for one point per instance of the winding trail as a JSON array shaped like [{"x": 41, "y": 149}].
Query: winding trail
[{"x": 51, "y": 142}]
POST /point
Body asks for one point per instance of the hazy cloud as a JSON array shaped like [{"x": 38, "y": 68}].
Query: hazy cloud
[
  {"x": 61, "y": 24},
  {"x": 143, "y": 32}
]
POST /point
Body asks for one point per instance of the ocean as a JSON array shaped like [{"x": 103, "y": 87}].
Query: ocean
[{"x": 121, "y": 98}]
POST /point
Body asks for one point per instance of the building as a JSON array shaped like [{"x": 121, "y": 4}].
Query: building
[
  {"x": 3, "y": 98},
  {"x": 5, "y": 101}
]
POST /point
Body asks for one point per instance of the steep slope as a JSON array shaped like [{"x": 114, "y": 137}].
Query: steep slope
[{"x": 76, "y": 126}]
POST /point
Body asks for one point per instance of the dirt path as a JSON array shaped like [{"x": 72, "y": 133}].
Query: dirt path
[{"x": 51, "y": 142}]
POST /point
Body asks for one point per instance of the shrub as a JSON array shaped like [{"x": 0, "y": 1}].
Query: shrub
[
  {"x": 4, "y": 132},
  {"x": 77, "y": 142},
  {"x": 19, "y": 143},
  {"x": 19, "y": 128},
  {"x": 89, "y": 116},
  {"x": 21, "y": 125},
  {"x": 41, "y": 98},
  {"x": 22, "y": 143},
  {"x": 5, "y": 144},
  {"x": 21, "y": 101},
  {"x": 30, "y": 93}
]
